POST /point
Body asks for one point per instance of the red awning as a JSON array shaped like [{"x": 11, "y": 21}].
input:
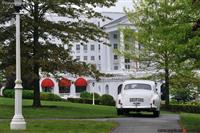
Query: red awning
[
  {"x": 80, "y": 82},
  {"x": 64, "y": 82},
  {"x": 47, "y": 83}
]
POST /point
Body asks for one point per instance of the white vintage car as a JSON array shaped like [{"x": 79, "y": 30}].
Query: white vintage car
[{"x": 138, "y": 95}]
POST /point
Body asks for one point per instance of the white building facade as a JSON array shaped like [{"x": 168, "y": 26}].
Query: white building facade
[{"x": 103, "y": 56}]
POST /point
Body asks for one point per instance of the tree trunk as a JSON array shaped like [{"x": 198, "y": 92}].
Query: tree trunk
[
  {"x": 167, "y": 86},
  {"x": 36, "y": 99},
  {"x": 166, "y": 80}
]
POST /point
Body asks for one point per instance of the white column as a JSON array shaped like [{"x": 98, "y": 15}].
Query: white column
[
  {"x": 103, "y": 58},
  {"x": 108, "y": 50},
  {"x": 122, "y": 48},
  {"x": 18, "y": 122}
]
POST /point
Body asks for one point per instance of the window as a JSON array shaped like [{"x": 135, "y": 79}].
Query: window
[
  {"x": 115, "y": 46},
  {"x": 115, "y": 36},
  {"x": 115, "y": 57},
  {"x": 78, "y": 57},
  {"x": 78, "y": 47},
  {"x": 92, "y": 48},
  {"x": 99, "y": 66},
  {"x": 85, "y": 47},
  {"x": 127, "y": 47},
  {"x": 99, "y": 57},
  {"x": 137, "y": 86},
  {"x": 107, "y": 89},
  {"x": 116, "y": 68},
  {"x": 127, "y": 60},
  {"x": 92, "y": 58},
  {"x": 127, "y": 67},
  {"x": 99, "y": 88},
  {"x": 85, "y": 58},
  {"x": 99, "y": 25},
  {"x": 99, "y": 47}
]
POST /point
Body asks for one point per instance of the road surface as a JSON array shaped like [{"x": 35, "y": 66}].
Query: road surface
[{"x": 166, "y": 123}]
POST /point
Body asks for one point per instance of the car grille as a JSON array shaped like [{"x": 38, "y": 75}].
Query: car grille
[{"x": 136, "y": 99}]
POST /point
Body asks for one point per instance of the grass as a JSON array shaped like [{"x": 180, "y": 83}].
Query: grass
[
  {"x": 54, "y": 109},
  {"x": 57, "y": 110},
  {"x": 61, "y": 126},
  {"x": 191, "y": 122}
]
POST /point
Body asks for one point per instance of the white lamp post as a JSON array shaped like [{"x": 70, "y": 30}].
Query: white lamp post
[
  {"x": 93, "y": 100},
  {"x": 18, "y": 122}
]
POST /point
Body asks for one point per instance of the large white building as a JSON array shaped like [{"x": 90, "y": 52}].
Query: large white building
[{"x": 104, "y": 58}]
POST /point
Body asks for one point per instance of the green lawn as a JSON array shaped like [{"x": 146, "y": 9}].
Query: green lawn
[
  {"x": 56, "y": 110},
  {"x": 61, "y": 126},
  {"x": 191, "y": 122}
]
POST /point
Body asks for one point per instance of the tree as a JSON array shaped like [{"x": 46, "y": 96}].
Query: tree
[
  {"x": 189, "y": 44},
  {"x": 152, "y": 19},
  {"x": 37, "y": 31},
  {"x": 162, "y": 28},
  {"x": 185, "y": 85}
]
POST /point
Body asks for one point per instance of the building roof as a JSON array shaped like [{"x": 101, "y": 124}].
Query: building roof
[{"x": 116, "y": 21}]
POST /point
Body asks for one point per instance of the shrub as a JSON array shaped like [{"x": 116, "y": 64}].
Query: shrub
[
  {"x": 182, "y": 108},
  {"x": 80, "y": 100},
  {"x": 88, "y": 95},
  {"x": 49, "y": 96},
  {"x": 8, "y": 93},
  {"x": 28, "y": 94},
  {"x": 107, "y": 100},
  {"x": 97, "y": 96}
]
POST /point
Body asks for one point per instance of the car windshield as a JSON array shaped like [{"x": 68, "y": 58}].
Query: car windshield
[{"x": 137, "y": 86}]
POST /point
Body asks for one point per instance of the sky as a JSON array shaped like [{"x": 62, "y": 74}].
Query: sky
[{"x": 119, "y": 6}]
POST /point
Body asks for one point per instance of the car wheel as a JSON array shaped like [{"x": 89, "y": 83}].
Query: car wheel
[
  {"x": 119, "y": 112},
  {"x": 156, "y": 113},
  {"x": 126, "y": 112}
]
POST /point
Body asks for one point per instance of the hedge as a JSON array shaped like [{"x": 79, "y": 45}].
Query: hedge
[
  {"x": 49, "y": 96},
  {"x": 28, "y": 94},
  {"x": 182, "y": 108},
  {"x": 88, "y": 95},
  {"x": 8, "y": 93},
  {"x": 107, "y": 100},
  {"x": 81, "y": 100},
  {"x": 104, "y": 100}
]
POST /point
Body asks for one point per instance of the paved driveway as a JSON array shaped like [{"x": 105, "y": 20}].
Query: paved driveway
[{"x": 147, "y": 124}]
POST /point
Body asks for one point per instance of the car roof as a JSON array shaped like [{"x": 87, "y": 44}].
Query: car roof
[{"x": 139, "y": 81}]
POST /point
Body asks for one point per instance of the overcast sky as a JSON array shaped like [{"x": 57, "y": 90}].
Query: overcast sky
[{"x": 119, "y": 6}]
